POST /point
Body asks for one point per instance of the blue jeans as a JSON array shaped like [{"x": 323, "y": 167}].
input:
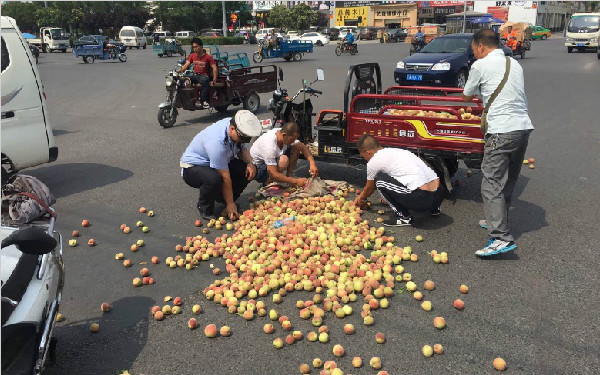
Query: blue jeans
[{"x": 204, "y": 81}]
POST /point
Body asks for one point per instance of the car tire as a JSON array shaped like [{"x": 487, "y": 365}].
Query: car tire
[
  {"x": 569, "y": 49},
  {"x": 319, "y": 43},
  {"x": 252, "y": 102},
  {"x": 544, "y": 37},
  {"x": 297, "y": 56},
  {"x": 145, "y": 45},
  {"x": 461, "y": 78}
]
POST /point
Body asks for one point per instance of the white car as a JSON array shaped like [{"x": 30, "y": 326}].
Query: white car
[
  {"x": 293, "y": 34},
  {"x": 317, "y": 38}
]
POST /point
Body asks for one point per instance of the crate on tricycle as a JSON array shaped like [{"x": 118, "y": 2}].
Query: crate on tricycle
[
  {"x": 432, "y": 122},
  {"x": 287, "y": 50},
  {"x": 91, "y": 52},
  {"x": 168, "y": 48}
]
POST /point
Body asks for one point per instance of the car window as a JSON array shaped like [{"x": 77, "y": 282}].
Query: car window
[
  {"x": 5, "y": 56},
  {"x": 447, "y": 45},
  {"x": 127, "y": 33}
]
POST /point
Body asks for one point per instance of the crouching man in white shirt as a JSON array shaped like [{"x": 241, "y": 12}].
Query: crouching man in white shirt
[
  {"x": 278, "y": 150},
  {"x": 402, "y": 179}
]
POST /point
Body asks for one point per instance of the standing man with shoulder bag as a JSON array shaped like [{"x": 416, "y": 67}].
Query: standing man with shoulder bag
[{"x": 506, "y": 125}]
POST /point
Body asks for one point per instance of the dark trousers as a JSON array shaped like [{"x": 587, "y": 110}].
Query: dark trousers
[
  {"x": 202, "y": 79},
  {"x": 503, "y": 156},
  {"x": 401, "y": 199},
  {"x": 209, "y": 182}
]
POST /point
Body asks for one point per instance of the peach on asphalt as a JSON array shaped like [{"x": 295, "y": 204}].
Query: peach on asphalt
[
  {"x": 427, "y": 351},
  {"x": 348, "y": 329},
  {"x": 438, "y": 349},
  {"x": 317, "y": 363},
  {"x": 464, "y": 289},
  {"x": 459, "y": 304},
  {"x": 379, "y": 338},
  {"x": 439, "y": 322},
  {"x": 224, "y": 331},
  {"x": 499, "y": 364},
  {"x": 375, "y": 363},
  {"x": 338, "y": 350},
  {"x": 210, "y": 331},
  {"x": 94, "y": 327},
  {"x": 426, "y": 305},
  {"x": 304, "y": 369},
  {"x": 356, "y": 362},
  {"x": 278, "y": 343}
]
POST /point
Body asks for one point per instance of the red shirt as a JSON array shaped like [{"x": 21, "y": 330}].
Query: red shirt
[{"x": 201, "y": 64}]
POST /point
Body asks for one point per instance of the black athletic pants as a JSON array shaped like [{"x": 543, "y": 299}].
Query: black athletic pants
[
  {"x": 209, "y": 182},
  {"x": 401, "y": 199}
]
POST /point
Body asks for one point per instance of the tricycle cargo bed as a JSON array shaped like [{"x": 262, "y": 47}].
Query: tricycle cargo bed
[{"x": 262, "y": 78}]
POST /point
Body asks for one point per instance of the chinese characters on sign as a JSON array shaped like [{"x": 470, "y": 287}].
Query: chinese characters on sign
[
  {"x": 391, "y": 13},
  {"x": 355, "y": 14}
]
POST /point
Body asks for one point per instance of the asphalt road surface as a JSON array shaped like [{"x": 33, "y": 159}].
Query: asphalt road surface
[{"x": 536, "y": 307}]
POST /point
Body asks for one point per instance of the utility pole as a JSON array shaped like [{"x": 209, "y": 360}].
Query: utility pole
[
  {"x": 465, "y": 16},
  {"x": 224, "y": 19}
]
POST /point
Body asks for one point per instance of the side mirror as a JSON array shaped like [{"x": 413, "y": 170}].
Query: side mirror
[
  {"x": 31, "y": 240},
  {"x": 280, "y": 74},
  {"x": 320, "y": 75}
]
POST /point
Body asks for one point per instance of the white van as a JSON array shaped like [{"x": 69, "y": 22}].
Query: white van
[
  {"x": 133, "y": 36},
  {"x": 185, "y": 34},
  {"x": 27, "y": 138},
  {"x": 262, "y": 33},
  {"x": 163, "y": 34}
]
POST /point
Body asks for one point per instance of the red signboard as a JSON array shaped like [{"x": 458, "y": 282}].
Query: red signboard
[
  {"x": 424, "y": 4},
  {"x": 499, "y": 12}
]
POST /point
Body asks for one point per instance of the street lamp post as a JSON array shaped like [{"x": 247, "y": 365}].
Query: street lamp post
[{"x": 464, "y": 17}]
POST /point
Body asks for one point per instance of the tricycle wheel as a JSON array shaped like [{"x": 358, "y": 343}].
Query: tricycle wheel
[
  {"x": 338, "y": 50},
  {"x": 221, "y": 108},
  {"x": 297, "y": 56},
  {"x": 122, "y": 57},
  {"x": 160, "y": 55},
  {"x": 84, "y": 59},
  {"x": 252, "y": 102},
  {"x": 523, "y": 54},
  {"x": 166, "y": 119},
  {"x": 89, "y": 59},
  {"x": 169, "y": 53},
  {"x": 287, "y": 58},
  {"x": 257, "y": 57}
]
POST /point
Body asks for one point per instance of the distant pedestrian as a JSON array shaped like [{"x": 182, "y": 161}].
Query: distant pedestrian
[
  {"x": 156, "y": 39},
  {"x": 506, "y": 136}
]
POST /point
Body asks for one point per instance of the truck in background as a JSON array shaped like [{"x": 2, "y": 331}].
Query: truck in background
[
  {"x": 51, "y": 39},
  {"x": 583, "y": 32}
]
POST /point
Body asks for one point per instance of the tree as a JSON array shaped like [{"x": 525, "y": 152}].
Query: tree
[
  {"x": 303, "y": 16},
  {"x": 23, "y": 13},
  {"x": 280, "y": 16}
]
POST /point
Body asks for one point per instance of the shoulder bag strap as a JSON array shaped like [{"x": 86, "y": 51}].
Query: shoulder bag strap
[
  {"x": 41, "y": 203},
  {"x": 499, "y": 88}
]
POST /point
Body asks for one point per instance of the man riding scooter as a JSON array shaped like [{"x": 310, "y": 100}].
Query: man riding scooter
[
  {"x": 511, "y": 38},
  {"x": 202, "y": 62},
  {"x": 418, "y": 42},
  {"x": 349, "y": 40}
]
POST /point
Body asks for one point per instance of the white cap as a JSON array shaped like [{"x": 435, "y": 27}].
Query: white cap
[{"x": 247, "y": 123}]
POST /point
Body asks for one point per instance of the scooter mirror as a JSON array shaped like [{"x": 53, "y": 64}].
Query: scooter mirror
[
  {"x": 320, "y": 75},
  {"x": 31, "y": 240},
  {"x": 280, "y": 74}
]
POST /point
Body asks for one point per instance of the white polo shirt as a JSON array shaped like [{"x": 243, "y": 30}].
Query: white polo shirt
[
  {"x": 402, "y": 165},
  {"x": 265, "y": 149},
  {"x": 508, "y": 112}
]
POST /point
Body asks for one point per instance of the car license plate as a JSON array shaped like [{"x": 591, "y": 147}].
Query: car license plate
[
  {"x": 266, "y": 124},
  {"x": 414, "y": 77},
  {"x": 580, "y": 44}
]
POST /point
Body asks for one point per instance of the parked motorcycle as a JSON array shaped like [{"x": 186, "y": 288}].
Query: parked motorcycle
[
  {"x": 285, "y": 110},
  {"x": 32, "y": 283},
  {"x": 343, "y": 48}
]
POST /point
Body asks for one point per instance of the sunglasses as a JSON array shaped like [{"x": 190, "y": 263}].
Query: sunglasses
[{"x": 243, "y": 137}]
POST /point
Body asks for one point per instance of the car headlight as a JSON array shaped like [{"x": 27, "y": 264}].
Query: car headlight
[
  {"x": 441, "y": 66},
  {"x": 594, "y": 40},
  {"x": 400, "y": 65},
  {"x": 569, "y": 40},
  {"x": 169, "y": 81}
]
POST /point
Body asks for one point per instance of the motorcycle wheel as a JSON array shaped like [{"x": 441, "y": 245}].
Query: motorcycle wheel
[
  {"x": 122, "y": 57},
  {"x": 165, "y": 118},
  {"x": 353, "y": 51},
  {"x": 252, "y": 102},
  {"x": 257, "y": 57},
  {"x": 221, "y": 108},
  {"x": 338, "y": 51}
]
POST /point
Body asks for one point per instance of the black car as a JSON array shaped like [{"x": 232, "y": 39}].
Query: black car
[
  {"x": 445, "y": 61},
  {"x": 334, "y": 34},
  {"x": 396, "y": 35},
  {"x": 367, "y": 33},
  {"x": 248, "y": 37}
]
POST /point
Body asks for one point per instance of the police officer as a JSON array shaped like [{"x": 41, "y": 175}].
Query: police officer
[{"x": 218, "y": 163}]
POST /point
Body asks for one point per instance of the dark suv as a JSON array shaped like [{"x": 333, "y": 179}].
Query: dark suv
[
  {"x": 445, "y": 61},
  {"x": 396, "y": 35},
  {"x": 367, "y": 33}
]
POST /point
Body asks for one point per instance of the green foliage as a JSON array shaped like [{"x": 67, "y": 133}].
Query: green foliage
[
  {"x": 303, "y": 16},
  {"x": 280, "y": 16},
  {"x": 23, "y": 13}
]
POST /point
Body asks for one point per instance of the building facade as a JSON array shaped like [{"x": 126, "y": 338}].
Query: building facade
[
  {"x": 553, "y": 15},
  {"x": 436, "y": 11},
  {"x": 375, "y": 13}
]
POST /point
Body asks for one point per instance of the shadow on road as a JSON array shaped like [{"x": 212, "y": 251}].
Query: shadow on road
[
  {"x": 122, "y": 336},
  {"x": 72, "y": 178}
]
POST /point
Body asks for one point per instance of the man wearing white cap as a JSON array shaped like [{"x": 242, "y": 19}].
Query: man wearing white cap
[{"x": 218, "y": 163}]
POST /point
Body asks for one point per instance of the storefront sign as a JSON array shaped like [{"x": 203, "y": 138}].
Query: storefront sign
[
  {"x": 350, "y": 4},
  {"x": 499, "y": 12},
  {"x": 361, "y": 14},
  {"x": 393, "y": 13},
  {"x": 440, "y": 3}
]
